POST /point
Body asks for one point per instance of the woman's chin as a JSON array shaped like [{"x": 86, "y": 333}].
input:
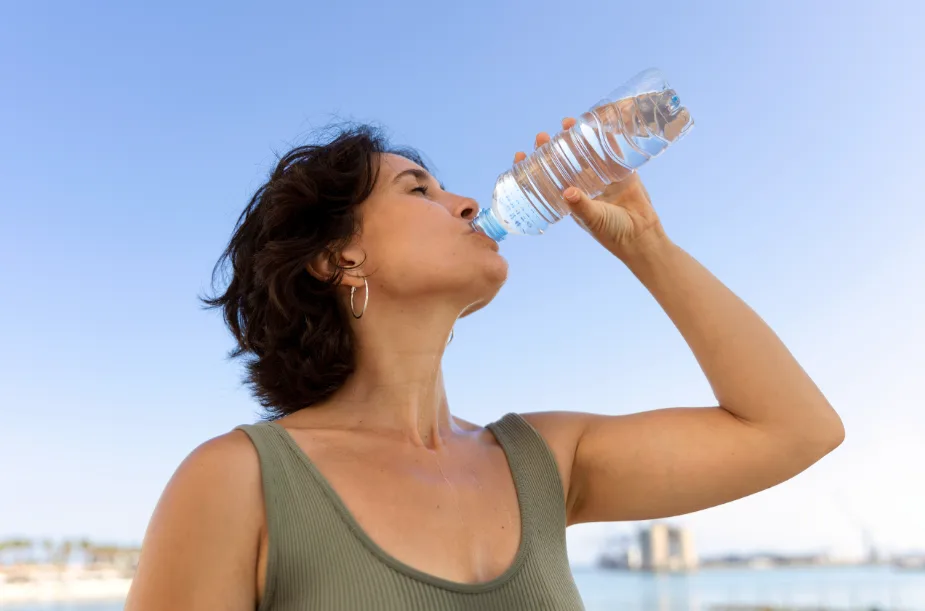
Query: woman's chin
[
  {"x": 495, "y": 270},
  {"x": 487, "y": 286},
  {"x": 499, "y": 266}
]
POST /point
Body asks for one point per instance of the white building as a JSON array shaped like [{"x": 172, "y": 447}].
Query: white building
[{"x": 666, "y": 548}]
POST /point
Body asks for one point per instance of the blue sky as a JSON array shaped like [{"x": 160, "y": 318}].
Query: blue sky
[{"x": 133, "y": 137}]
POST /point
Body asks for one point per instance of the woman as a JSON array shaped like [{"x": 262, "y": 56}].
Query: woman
[{"x": 362, "y": 491}]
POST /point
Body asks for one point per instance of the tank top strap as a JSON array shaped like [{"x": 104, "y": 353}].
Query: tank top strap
[
  {"x": 281, "y": 469},
  {"x": 301, "y": 518},
  {"x": 271, "y": 446},
  {"x": 292, "y": 486},
  {"x": 535, "y": 473}
]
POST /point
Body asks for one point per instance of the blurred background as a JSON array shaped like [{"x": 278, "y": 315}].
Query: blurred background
[{"x": 133, "y": 136}]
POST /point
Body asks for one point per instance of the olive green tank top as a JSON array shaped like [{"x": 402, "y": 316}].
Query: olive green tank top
[{"x": 320, "y": 559}]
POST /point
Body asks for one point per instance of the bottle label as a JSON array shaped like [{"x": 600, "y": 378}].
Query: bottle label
[{"x": 514, "y": 209}]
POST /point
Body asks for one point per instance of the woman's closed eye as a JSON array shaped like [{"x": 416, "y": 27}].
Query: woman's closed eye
[{"x": 422, "y": 189}]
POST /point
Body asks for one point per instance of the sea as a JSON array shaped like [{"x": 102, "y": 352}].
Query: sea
[{"x": 835, "y": 588}]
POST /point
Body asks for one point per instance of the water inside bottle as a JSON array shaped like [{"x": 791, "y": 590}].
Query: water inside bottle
[{"x": 606, "y": 145}]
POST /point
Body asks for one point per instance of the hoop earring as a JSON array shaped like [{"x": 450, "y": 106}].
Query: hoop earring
[
  {"x": 353, "y": 291},
  {"x": 450, "y": 339}
]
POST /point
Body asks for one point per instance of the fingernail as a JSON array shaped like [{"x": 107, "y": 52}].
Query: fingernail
[{"x": 572, "y": 194}]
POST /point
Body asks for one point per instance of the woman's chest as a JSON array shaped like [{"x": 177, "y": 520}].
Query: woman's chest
[{"x": 453, "y": 515}]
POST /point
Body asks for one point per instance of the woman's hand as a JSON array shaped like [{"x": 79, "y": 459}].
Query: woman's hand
[{"x": 622, "y": 218}]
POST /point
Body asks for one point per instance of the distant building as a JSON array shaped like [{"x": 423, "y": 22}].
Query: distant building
[
  {"x": 666, "y": 548},
  {"x": 658, "y": 548}
]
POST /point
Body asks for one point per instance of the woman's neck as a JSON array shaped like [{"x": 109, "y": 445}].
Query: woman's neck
[{"x": 397, "y": 386}]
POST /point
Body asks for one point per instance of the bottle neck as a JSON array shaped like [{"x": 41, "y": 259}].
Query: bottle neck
[{"x": 486, "y": 222}]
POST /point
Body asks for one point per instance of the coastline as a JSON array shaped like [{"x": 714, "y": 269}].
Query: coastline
[
  {"x": 50, "y": 584},
  {"x": 842, "y": 586}
]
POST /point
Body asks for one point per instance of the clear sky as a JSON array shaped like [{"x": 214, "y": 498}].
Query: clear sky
[{"x": 132, "y": 138}]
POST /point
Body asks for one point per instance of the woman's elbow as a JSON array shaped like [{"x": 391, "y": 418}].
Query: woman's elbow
[{"x": 827, "y": 431}]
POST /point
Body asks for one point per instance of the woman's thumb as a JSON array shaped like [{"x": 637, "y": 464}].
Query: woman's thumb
[{"x": 584, "y": 209}]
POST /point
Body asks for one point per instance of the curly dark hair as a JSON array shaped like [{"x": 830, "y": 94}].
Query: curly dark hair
[{"x": 289, "y": 325}]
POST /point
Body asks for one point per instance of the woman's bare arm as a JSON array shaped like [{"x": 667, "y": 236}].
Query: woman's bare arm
[
  {"x": 771, "y": 421},
  {"x": 201, "y": 547}
]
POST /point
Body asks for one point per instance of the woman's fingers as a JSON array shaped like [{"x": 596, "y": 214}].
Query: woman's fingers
[{"x": 543, "y": 137}]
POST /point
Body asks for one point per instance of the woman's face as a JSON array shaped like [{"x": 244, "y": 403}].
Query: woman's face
[{"x": 418, "y": 244}]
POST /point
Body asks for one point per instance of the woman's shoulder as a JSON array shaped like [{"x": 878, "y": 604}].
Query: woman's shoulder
[
  {"x": 224, "y": 467},
  {"x": 560, "y": 430},
  {"x": 232, "y": 449},
  {"x": 218, "y": 483},
  {"x": 202, "y": 535}
]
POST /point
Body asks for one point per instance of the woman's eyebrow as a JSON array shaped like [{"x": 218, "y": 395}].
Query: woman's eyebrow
[{"x": 417, "y": 173}]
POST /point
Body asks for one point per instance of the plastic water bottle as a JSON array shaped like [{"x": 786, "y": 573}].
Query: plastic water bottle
[{"x": 620, "y": 133}]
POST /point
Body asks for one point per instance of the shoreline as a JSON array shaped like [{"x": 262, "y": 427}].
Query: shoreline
[{"x": 49, "y": 585}]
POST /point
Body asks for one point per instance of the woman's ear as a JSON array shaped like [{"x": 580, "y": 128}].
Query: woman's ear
[{"x": 349, "y": 261}]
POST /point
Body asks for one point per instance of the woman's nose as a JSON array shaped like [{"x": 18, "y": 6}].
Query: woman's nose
[{"x": 466, "y": 208}]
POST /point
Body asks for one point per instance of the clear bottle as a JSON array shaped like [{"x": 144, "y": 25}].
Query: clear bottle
[{"x": 620, "y": 133}]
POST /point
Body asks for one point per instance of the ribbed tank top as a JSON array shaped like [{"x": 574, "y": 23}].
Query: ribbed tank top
[{"x": 320, "y": 559}]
